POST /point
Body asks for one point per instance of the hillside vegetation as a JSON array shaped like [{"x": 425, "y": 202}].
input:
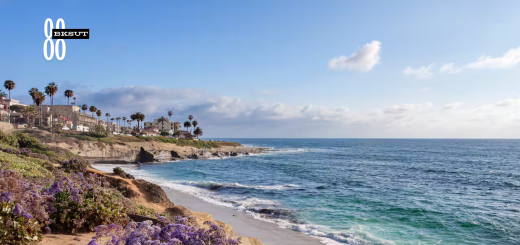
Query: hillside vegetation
[
  {"x": 121, "y": 139},
  {"x": 46, "y": 189}
]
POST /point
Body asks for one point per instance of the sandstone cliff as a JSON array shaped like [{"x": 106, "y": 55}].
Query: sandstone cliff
[{"x": 126, "y": 150}]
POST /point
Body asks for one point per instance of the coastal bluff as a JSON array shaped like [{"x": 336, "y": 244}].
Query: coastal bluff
[{"x": 126, "y": 149}]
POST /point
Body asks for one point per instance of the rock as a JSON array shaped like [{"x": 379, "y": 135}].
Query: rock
[
  {"x": 158, "y": 194},
  {"x": 144, "y": 156},
  {"x": 205, "y": 155},
  {"x": 175, "y": 154},
  {"x": 249, "y": 241},
  {"x": 179, "y": 211}
]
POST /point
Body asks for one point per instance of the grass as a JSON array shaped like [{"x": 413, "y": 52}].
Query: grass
[
  {"x": 26, "y": 166},
  {"x": 192, "y": 143},
  {"x": 83, "y": 137}
]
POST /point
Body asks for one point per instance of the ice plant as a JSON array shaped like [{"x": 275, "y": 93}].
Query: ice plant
[{"x": 175, "y": 233}]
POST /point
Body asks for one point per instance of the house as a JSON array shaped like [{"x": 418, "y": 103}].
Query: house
[
  {"x": 167, "y": 125},
  {"x": 80, "y": 128},
  {"x": 113, "y": 127},
  {"x": 151, "y": 129},
  {"x": 149, "y": 134}
]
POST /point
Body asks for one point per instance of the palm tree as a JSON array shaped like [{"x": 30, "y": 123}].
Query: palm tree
[
  {"x": 139, "y": 117},
  {"x": 117, "y": 119},
  {"x": 190, "y": 117},
  {"x": 124, "y": 121},
  {"x": 74, "y": 101},
  {"x": 99, "y": 113},
  {"x": 93, "y": 109},
  {"x": 198, "y": 132},
  {"x": 9, "y": 85},
  {"x": 112, "y": 119},
  {"x": 170, "y": 113},
  {"x": 195, "y": 123},
  {"x": 84, "y": 107},
  {"x": 69, "y": 93},
  {"x": 32, "y": 93},
  {"x": 51, "y": 90},
  {"x": 40, "y": 98},
  {"x": 107, "y": 115},
  {"x": 162, "y": 120},
  {"x": 187, "y": 124}
]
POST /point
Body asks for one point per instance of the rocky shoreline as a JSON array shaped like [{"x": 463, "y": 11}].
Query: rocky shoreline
[{"x": 129, "y": 151}]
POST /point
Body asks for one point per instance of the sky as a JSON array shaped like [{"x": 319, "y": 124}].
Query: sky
[{"x": 282, "y": 68}]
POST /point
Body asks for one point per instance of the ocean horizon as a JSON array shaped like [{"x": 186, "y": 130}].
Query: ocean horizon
[{"x": 363, "y": 190}]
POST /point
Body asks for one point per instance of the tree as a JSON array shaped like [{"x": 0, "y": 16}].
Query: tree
[
  {"x": 99, "y": 113},
  {"x": 139, "y": 117},
  {"x": 93, "y": 109},
  {"x": 9, "y": 85},
  {"x": 197, "y": 132},
  {"x": 33, "y": 92},
  {"x": 187, "y": 124},
  {"x": 195, "y": 123},
  {"x": 107, "y": 115},
  {"x": 29, "y": 112},
  {"x": 191, "y": 118},
  {"x": 74, "y": 101},
  {"x": 112, "y": 119},
  {"x": 51, "y": 90},
  {"x": 162, "y": 120},
  {"x": 84, "y": 107},
  {"x": 170, "y": 113},
  {"x": 40, "y": 98},
  {"x": 69, "y": 93},
  {"x": 177, "y": 134},
  {"x": 124, "y": 121},
  {"x": 117, "y": 119}
]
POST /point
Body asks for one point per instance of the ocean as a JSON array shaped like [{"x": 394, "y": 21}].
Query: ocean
[{"x": 364, "y": 191}]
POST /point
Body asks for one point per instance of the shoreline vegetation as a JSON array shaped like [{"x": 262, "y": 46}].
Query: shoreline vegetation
[{"x": 50, "y": 194}]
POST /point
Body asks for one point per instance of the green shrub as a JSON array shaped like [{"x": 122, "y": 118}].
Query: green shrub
[
  {"x": 26, "y": 166},
  {"x": 16, "y": 226},
  {"x": 118, "y": 171},
  {"x": 8, "y": 139},
  {"x": 75, "y": 165},
  {"x": 83, "y": 203},
  {"x": 148, "y": 212}
]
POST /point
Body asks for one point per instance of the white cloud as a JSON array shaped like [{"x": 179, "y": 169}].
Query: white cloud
[
  {"x": 421, "y": 73},
  {"x": 453, "y": 105},
  {"x": 450, "y": 68},
  {"x": 221, "y": 116},
  {"x": 509, "y": 59},
  {"x": 364, "y": 59},
  {"x": 406, "y": 108}
]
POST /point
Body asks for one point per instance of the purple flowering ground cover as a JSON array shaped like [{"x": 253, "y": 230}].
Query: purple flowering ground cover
[
  {"x": 176, "y": 231},
  {"x": 69, "y": 200}
]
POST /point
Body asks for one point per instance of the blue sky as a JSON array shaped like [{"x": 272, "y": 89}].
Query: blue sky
[{"x": 264, "y": 68}]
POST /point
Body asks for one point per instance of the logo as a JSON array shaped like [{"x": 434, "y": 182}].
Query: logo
[{"x": 59, "y": 35}]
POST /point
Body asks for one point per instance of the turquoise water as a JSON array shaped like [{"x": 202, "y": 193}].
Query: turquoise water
[{"x": 365, "y": 191}]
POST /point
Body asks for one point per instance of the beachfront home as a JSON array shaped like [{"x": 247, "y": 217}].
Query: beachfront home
[{"x": 167, "y": 125}]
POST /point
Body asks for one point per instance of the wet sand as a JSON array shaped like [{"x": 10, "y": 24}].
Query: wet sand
[{"x": 242, "y": 223}]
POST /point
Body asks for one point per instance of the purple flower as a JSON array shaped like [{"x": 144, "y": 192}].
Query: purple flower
[
  {"x": 17, "y": 210},
  {"x": 27, "y": 215},
  {"x": 93, "y": 242},
  {"x": 47, "y": 230},
  {"x": 5, "y": 197}
]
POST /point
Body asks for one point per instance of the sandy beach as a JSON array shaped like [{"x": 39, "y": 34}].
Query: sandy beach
[{"x": 242, "y": 223}]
